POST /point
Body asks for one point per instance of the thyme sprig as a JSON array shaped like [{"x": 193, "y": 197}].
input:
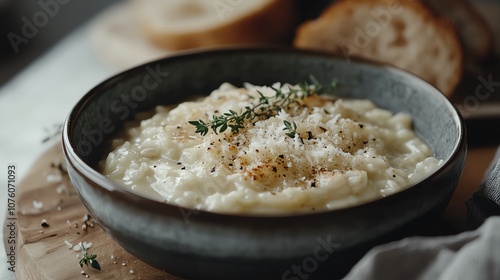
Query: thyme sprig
[
  {"x": 291, "y": 127},
  {"x": 292, "y": 130},
  {"x": 88, "y": 258},
  {"x": 265, "y": 107}
]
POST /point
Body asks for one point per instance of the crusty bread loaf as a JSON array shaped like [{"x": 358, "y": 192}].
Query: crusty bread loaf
[
  {"x": 401, "y": 32},
  {"x": 474, "y": 32},
  {"x": 184, "y": 24}
]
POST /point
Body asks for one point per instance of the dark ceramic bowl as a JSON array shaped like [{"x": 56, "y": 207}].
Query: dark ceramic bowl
[{"x": 203, "y": 245}]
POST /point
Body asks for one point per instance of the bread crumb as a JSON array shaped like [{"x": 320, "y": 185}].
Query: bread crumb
[
  {"x": 44, "y": 223},
  {"x": 37, "y": 204},
  {"x": 53, "y": 178},
  {"x": 61, "y": 188}
]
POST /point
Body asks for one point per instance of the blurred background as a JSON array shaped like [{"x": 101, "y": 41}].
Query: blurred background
[{"x": 76, "y": 12}]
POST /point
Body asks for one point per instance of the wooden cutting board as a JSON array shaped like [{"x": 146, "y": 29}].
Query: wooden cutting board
[{"x": 42, "y": 252}]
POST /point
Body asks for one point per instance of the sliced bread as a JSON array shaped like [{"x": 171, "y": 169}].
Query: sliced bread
[
  {"x": 403, "y": 33},
  {"x": 184, "y": 24}
]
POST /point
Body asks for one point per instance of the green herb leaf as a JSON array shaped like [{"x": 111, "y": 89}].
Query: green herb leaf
[
  {"x": 94, "y": 264},
  {"x": 88, "y": 259},
  {"x": 292, "y": 130},
  {"x": 223, "y": 128},
  {"x": 267, "y": 106}
]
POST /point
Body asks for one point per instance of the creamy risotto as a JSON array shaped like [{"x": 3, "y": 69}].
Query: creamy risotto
[{"x": 341, "y": 153}]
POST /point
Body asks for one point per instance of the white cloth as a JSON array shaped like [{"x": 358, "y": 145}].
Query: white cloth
[{"x": 469, "y": 255}]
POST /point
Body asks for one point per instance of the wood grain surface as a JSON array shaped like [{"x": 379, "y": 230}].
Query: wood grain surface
[{"x": 42, "y": 252}]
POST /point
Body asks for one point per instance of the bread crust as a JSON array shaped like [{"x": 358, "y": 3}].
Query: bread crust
[
  {"x": 271, "y": 23},
  {"x": 329, "y": 31}
]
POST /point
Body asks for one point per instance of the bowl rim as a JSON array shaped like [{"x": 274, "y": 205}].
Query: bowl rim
[{"x": 117, "y": 190}]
